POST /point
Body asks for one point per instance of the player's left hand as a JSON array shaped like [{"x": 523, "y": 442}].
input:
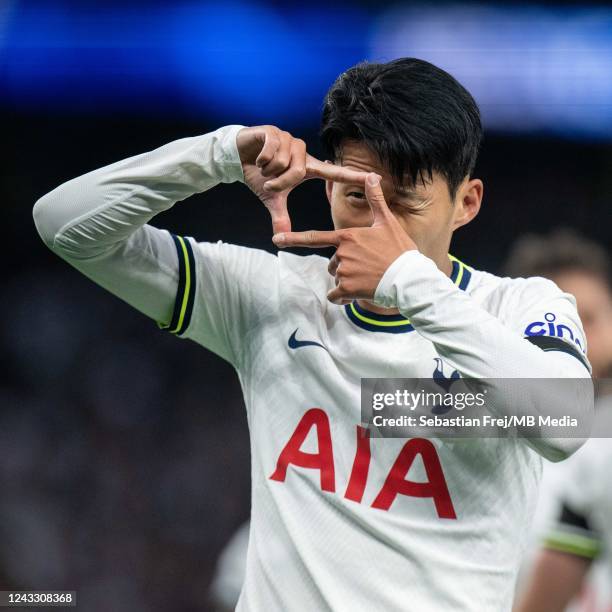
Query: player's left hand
[{"x": 363, "y": 254}]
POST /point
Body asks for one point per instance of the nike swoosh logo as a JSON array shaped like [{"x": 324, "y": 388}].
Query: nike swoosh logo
[{"x": 294, "y": 343}]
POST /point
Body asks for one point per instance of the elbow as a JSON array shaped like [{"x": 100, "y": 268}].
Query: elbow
[
  {"x": 43, "y": 220},
  {"x": 560, "y": 449},
  {"x": 50, "y": 223}
]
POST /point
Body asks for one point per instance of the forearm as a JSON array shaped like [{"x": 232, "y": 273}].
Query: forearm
[
  {"x": 98, "y": 222},
  {"x": 90, "y": 215},
  {"x": 556, "y": 579},
  {"x": 479, "y": 345}
]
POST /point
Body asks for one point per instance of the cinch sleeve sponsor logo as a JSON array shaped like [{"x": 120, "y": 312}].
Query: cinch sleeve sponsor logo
[{"x": 550, "y": 327}]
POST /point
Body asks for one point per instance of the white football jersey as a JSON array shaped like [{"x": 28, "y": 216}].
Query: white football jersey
[
  {"x": 576, "y": 479},
  {"x": 335, "y": 526},
  {"x": 583, "y": 525},
  {"x": 340, "y": 520}
]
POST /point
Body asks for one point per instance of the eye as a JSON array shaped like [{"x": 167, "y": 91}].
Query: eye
[{"x": 356, "y": 194}]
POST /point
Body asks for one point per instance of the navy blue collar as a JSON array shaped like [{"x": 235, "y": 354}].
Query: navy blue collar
[{"x": 397, "y": 323}]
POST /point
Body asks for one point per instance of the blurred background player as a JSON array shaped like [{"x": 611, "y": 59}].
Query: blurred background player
[
  {"x": 578, "y": 266},
  {"x": 229, "y": 573},
  {"x": 578, "y": 570},
  {"x": 573, "y": 570}
]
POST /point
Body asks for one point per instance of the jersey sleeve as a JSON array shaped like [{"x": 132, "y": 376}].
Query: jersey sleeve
[
  {"x": 547, "y": 317},
  {"x": 224, "y": 293},
  {"x": 490, "y": 344},
  {"x": 574, "y": 534},
  {"x": 215, "y": 294},
  {"x": 575, "y": 530}
]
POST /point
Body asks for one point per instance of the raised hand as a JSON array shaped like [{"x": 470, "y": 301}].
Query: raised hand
[
  {"x": 363, "y": 254},
  {"x": 274, "y": 163}
]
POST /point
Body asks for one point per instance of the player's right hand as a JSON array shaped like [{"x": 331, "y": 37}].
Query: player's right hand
[{"x": 274, "y": 163}]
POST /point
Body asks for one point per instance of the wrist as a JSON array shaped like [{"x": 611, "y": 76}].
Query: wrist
[
  {"x": 386, "y": 294},
  {"x": 226, "y": 154}
]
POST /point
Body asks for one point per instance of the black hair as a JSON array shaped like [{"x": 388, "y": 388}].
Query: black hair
[
  {"x": 562, "y": 250},
  {"x": 415, "y": 116}
]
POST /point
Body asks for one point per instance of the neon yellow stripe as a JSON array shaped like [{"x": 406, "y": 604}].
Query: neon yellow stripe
[
  {"x": 406, "y": 322},
  {"x": 375, "y": 321},
  {"x": 460, "y": 275},
  {"x": 187, "y": 286},
  {"x": 572, "y": 543},
  {"x": 453, "y": 258}
]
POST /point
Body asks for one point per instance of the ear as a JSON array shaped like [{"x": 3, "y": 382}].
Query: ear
[{"x": 467, "y": 202}]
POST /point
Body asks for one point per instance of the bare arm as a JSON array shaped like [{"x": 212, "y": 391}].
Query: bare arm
[{"x": 556, "y": 579}]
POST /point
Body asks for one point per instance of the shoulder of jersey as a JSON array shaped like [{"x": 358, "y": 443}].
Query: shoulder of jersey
[{"x": 535, "y": 287}]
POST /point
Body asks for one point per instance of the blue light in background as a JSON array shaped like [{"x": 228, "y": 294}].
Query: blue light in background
[
  {"x": 530, "y": 68},
  {"x": 242, "y": 62},
  {"x": 82, "y": 59},
  {"x": 249, "y": 60}
]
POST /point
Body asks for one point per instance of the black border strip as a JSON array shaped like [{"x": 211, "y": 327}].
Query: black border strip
[
  {"x": 178, "y": 300},
  {"x": 547, "y": 343},
  {"x": 192, "y": 289}
]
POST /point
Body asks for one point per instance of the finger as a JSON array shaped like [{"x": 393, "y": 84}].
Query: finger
[
  {"x": 270, "y": 146},
  {"x": 338, "y": 296},
  {"x": 296, "y": 172},
  {"x": 311, "y": 238},
  {"x": 332, "y": 172},
  {"x": 281, "y": 222},
  {"x": 332, "y": 267},
  {"x": 376, "y": 198},
  {"x": 282, "y": 157}
]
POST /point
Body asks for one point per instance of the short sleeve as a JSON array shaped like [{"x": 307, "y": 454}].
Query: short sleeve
[
  {"x": 224, "y": 293},
  {"x": 576, "y": 530},
  {"x": 547, "y": 317}
]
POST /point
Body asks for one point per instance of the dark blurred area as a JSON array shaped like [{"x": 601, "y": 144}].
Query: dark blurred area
[{"x": 124, "y": 451}]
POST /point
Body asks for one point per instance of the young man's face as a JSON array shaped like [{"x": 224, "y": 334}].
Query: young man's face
[
  {"x": 595, "y": 309},
  {"x": 425, "y": 212}
]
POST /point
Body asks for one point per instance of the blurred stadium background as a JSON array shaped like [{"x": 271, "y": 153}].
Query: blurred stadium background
[{"x": 124, "y": 460}]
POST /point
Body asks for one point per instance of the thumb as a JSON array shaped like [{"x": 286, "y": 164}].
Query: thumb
[{"x": 375, "y": 197}]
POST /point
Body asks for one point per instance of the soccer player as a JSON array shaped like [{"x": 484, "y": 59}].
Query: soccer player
[
  {"x": 581, "y": 268},
  {"x": 360, "y": 523},
  {"x": 574, "y": 499},
  {"x": 581, "y": 536}
]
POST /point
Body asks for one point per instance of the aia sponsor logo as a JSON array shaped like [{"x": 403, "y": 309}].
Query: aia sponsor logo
[{"x": 292, "y": 458}]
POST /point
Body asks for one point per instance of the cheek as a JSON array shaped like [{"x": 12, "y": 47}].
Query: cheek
[
  {"x": 430, "y": 230},
  {"x": 599, "y": 330},
  {"x": 344, "y": 215},
  {"x": 426, "y": 228}
]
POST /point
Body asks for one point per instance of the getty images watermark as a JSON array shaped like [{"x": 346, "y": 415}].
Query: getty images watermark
[{"x": 473, "y": 408}]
